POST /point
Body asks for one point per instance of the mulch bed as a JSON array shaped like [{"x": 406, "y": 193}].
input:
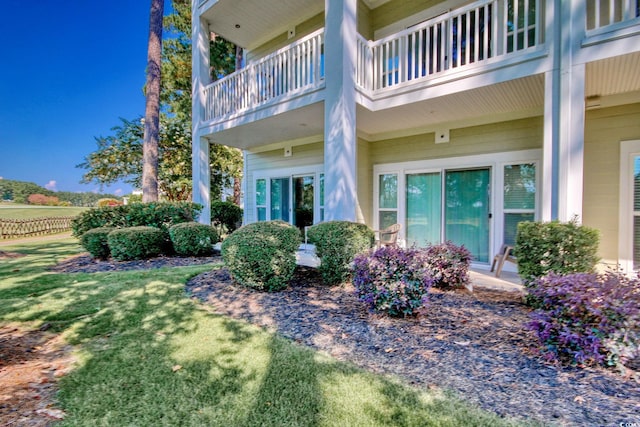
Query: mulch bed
[{"x": 470, "y": 342}]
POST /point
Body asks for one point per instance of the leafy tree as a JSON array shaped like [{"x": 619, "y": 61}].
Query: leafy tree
[
  {"x": 119, "y": 156},
  {"x": 152, "y": 110}
]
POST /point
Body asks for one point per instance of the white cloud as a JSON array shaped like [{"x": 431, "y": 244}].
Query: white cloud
[
  {"x": 118, "y": 192},
  {"x": 51, "y": 185}
]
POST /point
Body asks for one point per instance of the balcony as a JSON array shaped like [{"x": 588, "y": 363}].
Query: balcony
[{"x": 479, "y": 36}]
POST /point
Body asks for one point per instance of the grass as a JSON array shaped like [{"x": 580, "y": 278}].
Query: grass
[
  {"x": 149, "y": 356},
  {"x": 12, "y": 211}
]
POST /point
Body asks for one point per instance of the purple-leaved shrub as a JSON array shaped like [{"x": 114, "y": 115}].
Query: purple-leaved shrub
[
  {"x": 392, "y": 280},
  {"x": 588, "y": 318},
  {"x": 448, "y": 264}
]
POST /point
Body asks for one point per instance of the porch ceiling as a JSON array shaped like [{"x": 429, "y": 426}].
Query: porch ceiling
[
  {"x": 614, "y": 76},
  {"x": 259, "y": 20},
  {"x": 504, "y": 101},
  {"x": 297, "y": 124}
]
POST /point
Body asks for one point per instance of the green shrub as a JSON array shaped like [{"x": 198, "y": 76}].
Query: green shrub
[
  {"x": 225, "y": 215},
  {"x": 95, "y": 242},
  {"x": 262, "y": 255},
  {"x": 393, "y": 280},
  {"x": 564, "y": 248},
  {"x": 193, "y": 238},
  {"x": 337, "y": 243},
  {"x": 136, "y": 242},
  {"x": 160, "y": 215}
]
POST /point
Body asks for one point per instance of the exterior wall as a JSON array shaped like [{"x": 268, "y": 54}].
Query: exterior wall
[
  {"x": 604, "y": 129},
  {"x": 302, "y": 29},
  {"x": 497, "y": 137},
  {"x": 396, "y": 10},
  {"x": 364, "y": 21},
  {"x": 302, "y": 155},
  {"x": 365, "y": 190}
]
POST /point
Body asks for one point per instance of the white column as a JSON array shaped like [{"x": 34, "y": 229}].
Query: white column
[
  {"x": 202, "y": 177},
  {"x": 200, "y": 146},
  {"x": 340, "y": 141},
  {"x": 564, "y": 118}
]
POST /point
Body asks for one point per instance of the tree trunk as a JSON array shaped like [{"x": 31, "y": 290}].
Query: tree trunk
[{"x": 152, "y": 110}]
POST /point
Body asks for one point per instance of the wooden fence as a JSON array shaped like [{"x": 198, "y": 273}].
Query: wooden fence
[{"x": 12, "y": 228}]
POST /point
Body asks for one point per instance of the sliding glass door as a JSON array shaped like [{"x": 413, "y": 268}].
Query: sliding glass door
[
  {"x": 303, "y": 201},
  {"x": 280, "y": 201},
  {"x": 424, "y": 208},
  {"x": 467, "y": 209}
]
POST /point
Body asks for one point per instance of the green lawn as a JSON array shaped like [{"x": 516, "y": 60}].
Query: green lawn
[
  {"x": 132, "y": 330},
  {"x": 12, "y": 211}
]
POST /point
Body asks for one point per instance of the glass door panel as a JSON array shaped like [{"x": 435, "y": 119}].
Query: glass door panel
[
  {"x": 280, "y": 207},
  {"x": 424, "y": 209},
  {"x": 303, "y": 201},
  {"x": 467, "y": 202}
]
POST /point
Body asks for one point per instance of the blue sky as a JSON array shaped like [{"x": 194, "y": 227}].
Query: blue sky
[{"x": 68, "y": 71}]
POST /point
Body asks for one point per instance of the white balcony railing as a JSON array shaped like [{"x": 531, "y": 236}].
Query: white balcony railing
[
  {"x": 483, "y": 31},
  {"x": 292, "y": 69},
  {"x": 604, "y": 13},
  {"x": 465, "y": 36}
]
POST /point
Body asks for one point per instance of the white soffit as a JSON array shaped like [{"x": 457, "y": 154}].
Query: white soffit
[
  {"x": 259, "y": 20},
  {"x": 613, "y": 76},
  {"x": 516, "y": 98}
]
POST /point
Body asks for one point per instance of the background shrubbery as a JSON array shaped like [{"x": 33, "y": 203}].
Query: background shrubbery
[
  {"x": 393, "y": 280},
  {"x": 225, "y": 216},
  {"x": 160, "y": 215},
  {"x": 193, "y": 238},
  {"x": 337, "y": 243},
  {"x": 136, "y": 243},
  {"x": 587, "y": 318},
  {"x": 262, "y": 255}
]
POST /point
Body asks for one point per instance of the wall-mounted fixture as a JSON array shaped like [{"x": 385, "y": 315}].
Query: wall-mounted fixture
[
  {"x": 291, "y": 33},
  {"x": 288, "y": 152},
  {"x": 442, "y": 136}
]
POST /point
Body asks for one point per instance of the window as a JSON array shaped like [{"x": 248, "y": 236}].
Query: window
[
  {"x": 519, "y": 198},
  {"x": 261, "y": 199},
  {"x": 388, "y": 200},
  {"x": 321, "y": 197},
  {"x": 629, "y": 216},
  {"x": 279, "y": 198}
]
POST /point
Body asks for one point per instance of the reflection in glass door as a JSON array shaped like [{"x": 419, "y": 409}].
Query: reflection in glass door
[
  {"x": 280, "y": 206},
  {"x": 303, "y": 201},
  {"x": 467, "y": 201},
  {"x": 424, "y": 209}
]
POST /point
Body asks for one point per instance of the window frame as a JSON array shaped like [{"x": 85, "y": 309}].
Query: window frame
[{"x": 628, "y": 151}]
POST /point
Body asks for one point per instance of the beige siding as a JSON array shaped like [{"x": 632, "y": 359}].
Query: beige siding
[
  {"x": 396, "y": 10},
  {"x": 364, "y": 21},
  {"x": 307, "y": 27},
  {"x": 493, "y": 138},
  {"x": 604, "y": 130},
  {"x": 302, "y": 155}
]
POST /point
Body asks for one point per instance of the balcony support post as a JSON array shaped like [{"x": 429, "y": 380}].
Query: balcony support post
[
  {"x": 564, "y": 116},
  {"x": 340, "y": 158},
  {"x": 200, "y": 146}
]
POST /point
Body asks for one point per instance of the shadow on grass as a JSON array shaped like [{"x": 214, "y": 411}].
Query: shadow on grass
[{"x": 150, "y": 356}]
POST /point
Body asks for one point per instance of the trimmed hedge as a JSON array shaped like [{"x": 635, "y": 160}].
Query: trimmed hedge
[
  {"x": 225, "y": 215},
  {"x": 136, "y": 243},
  {"x": 193, "y": 238},
  {"x": 337, "y": 243},
  {"x": 262, "y": 255},
  {"x": 95, "y": 242},
  {"x": 161, "y": 215},
  {"x": 564, "y": 248}
]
